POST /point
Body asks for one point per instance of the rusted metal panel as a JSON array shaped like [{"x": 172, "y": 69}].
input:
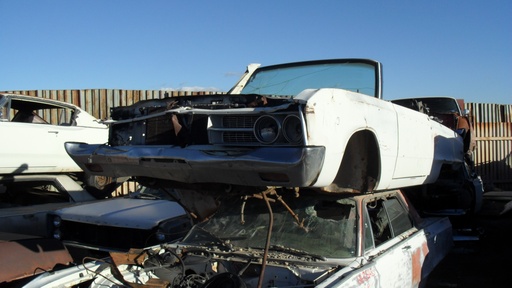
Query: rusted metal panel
[{"x": 27, "y": 257}]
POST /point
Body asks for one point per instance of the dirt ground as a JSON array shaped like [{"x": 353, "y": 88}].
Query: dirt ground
[{"x": 486, "y": 262}]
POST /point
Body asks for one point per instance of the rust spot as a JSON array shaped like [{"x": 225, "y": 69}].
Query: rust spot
[
  {"x": 29, "y": 257},
  {"x": 416, "y": 266}
]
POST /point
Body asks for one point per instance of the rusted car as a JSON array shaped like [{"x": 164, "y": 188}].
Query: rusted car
[
  {"x": 315, "y": 124},
  {"x": 34, "y": 131},
  {"x": 283, "y": 238}
]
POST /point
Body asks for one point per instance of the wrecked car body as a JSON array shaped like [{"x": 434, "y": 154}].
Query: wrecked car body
[
  {"x": 143, "y": 218},
  {"x": 24, "y": 115},
  {"x": 457, "y": 191},
  {"x": 34, "y": 131},
  {"x": 291, "y": 154},
  {"x": 317, "y": 124},
  {"x": 278, "y": 238},
  {"x": 447, "y": 111}
]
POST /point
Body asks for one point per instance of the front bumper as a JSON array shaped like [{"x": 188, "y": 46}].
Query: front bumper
[{"x": 261, "y": 166}]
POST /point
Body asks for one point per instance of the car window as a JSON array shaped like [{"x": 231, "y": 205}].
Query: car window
[
  {"x": 40, "y": 113},
  {"x": 30, "y": 193},
  {"x": 388, "y": 219},
  {"x": 4, "y": 108},
  {"x": 398, "y": 217},
  {"x": 3, "y": 114},
  {"x": 369, "y": 243}
]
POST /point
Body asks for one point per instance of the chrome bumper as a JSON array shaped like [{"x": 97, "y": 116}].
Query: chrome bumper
[{"x": 262, "y": 166}]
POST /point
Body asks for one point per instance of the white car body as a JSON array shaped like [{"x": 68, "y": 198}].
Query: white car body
[
  {"x": 36, "y": 145},
  {"x": 341, "y": 136},
  {"x": 413, "y": 147}
]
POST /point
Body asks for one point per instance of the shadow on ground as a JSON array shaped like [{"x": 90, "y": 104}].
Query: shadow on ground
[{"x": 483, "y": 263}]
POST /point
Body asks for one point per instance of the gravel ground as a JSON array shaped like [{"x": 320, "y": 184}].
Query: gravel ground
[{"x": 486, "y": 262}]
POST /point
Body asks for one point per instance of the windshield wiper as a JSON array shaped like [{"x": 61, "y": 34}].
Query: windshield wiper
[{"x": 296, "y": 252}]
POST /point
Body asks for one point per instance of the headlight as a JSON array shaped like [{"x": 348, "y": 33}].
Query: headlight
[
  {"x": 160, "y": 236},
  {"x": 267, "y": 129},
  {"x": 56, "y": 234},
  {"x": 56, "y": 221},
  {"x": 292, "y": 129}
]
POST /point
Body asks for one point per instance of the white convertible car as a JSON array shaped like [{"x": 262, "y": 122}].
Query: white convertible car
[{"x": 320, "y": 124}]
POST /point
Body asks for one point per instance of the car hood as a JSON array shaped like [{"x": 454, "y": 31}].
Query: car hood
[{"x": 123, "y": 212}]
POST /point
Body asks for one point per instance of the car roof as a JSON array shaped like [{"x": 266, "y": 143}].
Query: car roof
[{"x": 35, "y": 103}]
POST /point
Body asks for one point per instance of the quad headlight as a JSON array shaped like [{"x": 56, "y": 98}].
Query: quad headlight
[
  {"x": 292, "y": 129},
  {"x": 56, "y": 234},
  {"x": 267, "y": 129},
  {"x": 56, "y": 221},
  {"x": 160, "y": 236}
]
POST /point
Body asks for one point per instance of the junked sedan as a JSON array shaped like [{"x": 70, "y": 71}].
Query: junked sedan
[
  {"x": 34, "y": 131},
  {"x": 318, "y": 124},
  {"x": 146, "y": 217},
  {"x": 281, "y": 238}
]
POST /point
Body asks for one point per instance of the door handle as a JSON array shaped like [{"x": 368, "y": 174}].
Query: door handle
[{"x": 54, "y": 132}]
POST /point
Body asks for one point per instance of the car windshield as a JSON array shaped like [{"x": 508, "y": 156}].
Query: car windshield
[
  {"x": 291, "y": 79},
  {"x": 299, "y": 223},
  {"x": 441, "y": 105}
]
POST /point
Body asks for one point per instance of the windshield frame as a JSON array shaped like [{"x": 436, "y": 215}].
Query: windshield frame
[{"x": 377, "y": 68}]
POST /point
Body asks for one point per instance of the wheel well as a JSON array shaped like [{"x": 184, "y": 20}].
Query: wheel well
[{"x": 360, "y": 167}]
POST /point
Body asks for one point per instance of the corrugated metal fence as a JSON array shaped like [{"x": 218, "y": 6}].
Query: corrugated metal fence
[
  {"x": 492, "y": 122},
  {"x": 98, "y": 102},
  {"x": 493, "y": 131}
]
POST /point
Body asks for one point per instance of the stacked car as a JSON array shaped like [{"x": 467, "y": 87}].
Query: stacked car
[{"x": 293, "y": 178}]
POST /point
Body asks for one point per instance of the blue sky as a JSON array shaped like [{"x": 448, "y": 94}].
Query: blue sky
[{"x": 428, "y": 48}]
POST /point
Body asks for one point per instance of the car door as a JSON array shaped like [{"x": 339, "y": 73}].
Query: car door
[
  {"x": 34, "y": 138},
  {"x": 28, "y": 144},
  {"x": 400, "y": 248}
]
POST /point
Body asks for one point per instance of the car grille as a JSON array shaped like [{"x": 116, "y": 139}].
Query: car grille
[
  {"x": 239, "y": 137},
  {"x": 239, "y": 121},
  {"x": 106, "y": 236}
]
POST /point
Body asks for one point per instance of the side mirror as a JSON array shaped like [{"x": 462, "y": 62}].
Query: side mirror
[{"x": 465, "y": 112}]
